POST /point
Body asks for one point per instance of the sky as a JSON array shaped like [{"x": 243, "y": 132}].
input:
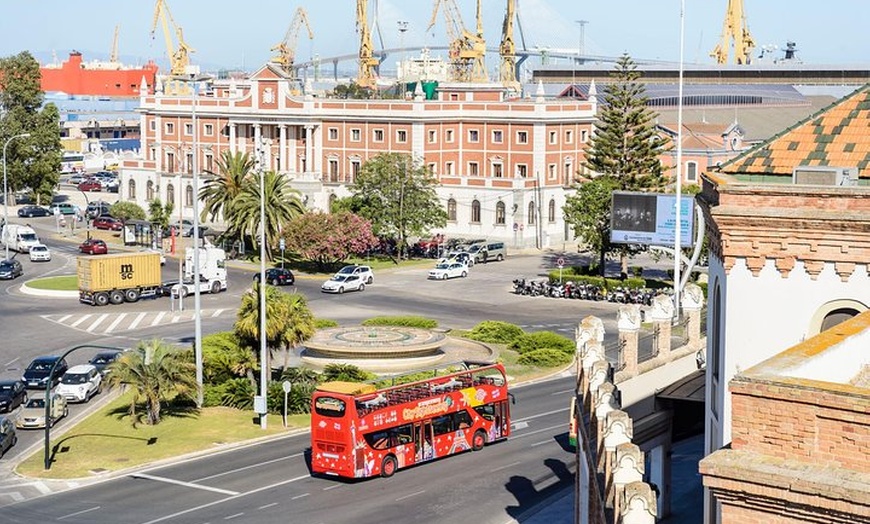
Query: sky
[{"x": 238, "y": 34}]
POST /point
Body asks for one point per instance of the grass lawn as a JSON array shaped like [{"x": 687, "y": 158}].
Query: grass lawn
[
  {"x": 106, "y": 441},
  {"x": 61, "y": 283}
]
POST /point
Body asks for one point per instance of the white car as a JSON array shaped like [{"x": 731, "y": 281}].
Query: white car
[
  {"x": 364, "y": 272},
  {"x": 80, "y": 383},
  {"x": 341, "y": 283},
  {"x": 39, "y": 253},
  {"x": 449, "y": 270}
]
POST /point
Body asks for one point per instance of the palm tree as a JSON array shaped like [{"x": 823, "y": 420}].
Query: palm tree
[
  {"x": 226, "y": 184},
  {"x": 282, "y": 204},
  {"x": 300, "y": 323},
  {"x": 156, "y": 372}
]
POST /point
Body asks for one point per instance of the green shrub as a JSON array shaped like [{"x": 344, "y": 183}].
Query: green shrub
[
  {"x": 324, "y": 323},
  {"x": 298, "y": 400},
  {"x": 637, "y": 271},
  {"x": 703, "y": 286},
  {"x": 402, "y": 321},
  {"x": 212, "y": 394},
  {"x": 238, "y": 393},
  {"x": 346, "y": 373},
  {"x": 495, "y": 332},
  {"x": 542, "y": 339},
  {"x": 545, "y": 358}
]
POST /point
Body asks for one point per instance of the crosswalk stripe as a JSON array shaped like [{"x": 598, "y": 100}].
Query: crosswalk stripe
[
  {"x": 117, "y": 321},
  {"x": 79, "y": 321},
  {"x": 63, "y": 319},
  {"x": 136, "y": 321},
  {"x": 158, "y": 318},
  {"x": 176, "y": 318},
  {"x": 97, "y": 322},
  {"x": 216, "y": 313}
]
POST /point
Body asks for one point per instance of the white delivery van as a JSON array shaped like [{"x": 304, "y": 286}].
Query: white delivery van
[{"x": 19, "y": 238}]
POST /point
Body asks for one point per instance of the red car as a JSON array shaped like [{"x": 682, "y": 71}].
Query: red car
[
  {"x": 94, "y": 246},
  {"x": 109, "y": 223},
  {"x": 90, "y": 184}
]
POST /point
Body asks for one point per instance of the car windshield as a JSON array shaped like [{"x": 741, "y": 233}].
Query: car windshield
[
  {"x": 36, "y": 403},
  {"x": 5, "y": 387},
  {"x": 39, "y": 248},
  {"x": 442, "y": 266},
  {"x": 40, "y": 366},
  {"x": 339, "y": 278},
  {"x": 346, "y": 270},
  {"x": 78, "y": 378},
  {"x": 5, "y": 265},
  {"x": 102, "y": 359}
]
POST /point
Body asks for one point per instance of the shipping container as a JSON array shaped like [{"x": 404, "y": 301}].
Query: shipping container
[{"x": 118, "y": 278}]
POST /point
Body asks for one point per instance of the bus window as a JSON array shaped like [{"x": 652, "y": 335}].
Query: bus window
[
  {"x": 390, "y": 438},
  {"x": 378, "y": 439},
  {"x": 329, "y": 407},
  {"x": 462, "y": 420},
  {"x": 486, "y": 411},
  {"x": 442, "y": 424},
  {"x": 404, "y": 434}
]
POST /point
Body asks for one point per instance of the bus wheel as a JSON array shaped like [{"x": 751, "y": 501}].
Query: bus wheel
[
  {"x": 478, "y": 441},
  {"x": 389, "y": 466}
]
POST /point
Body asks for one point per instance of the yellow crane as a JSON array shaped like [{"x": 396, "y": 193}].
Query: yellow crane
[
  {"x": 735, "y": 32},
  {"x": 367, "y": 73},
  {"x": 467, "y": 49},
  {"x": 507, "y": 71},
  {"x": 286, "y": 50},
  {"x": 113, "y": 53},
  {"x": 179, "y": 59}
]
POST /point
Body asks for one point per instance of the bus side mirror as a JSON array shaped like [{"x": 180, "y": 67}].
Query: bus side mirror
[{"x": 513, "y": 398}]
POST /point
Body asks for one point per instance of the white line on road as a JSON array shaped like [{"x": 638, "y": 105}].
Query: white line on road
[
  {"x": 551, "y": 428},
  {"x": 95, "y": 508},
  {"x": 231, "y": 517},
  {"x": 117, "y": 321},
  {"x": 541, "y": 443},
  {"x": 257, "y": 465},
  {"x": 63, "y": 319},
  {"x": 158, "y": 318},
  {"x": 14, "y": 360},
  {"x": 97, "y": 322},
  {"x": 182, "y": 483},
  {"x": 519, "y": 425},
  {"x": 562, "y": 392},
  {"x": 217, "y": 313},
  {"x": 14, "y": 495},
  {"x": 332, "y": 487},
  {"x": 79, "y": 321},
  {"x": 543, "y": 414},
  {"x": 300, "y": 496},
  {"x": 268, "y": 505},
  {"x": 505, "y": 467},
  {"x": 136, "y": 321},
  {"x": 176, "y": 318},
  {"x": 411, "y": 495}
]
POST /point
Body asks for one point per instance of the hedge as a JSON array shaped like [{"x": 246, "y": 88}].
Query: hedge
[
  {"x": 543, "y": 339},
  {"x": 402, "y": 321},
  {"x": 606, "y": 283},
  {"x": 545, "y": 358},
  {"x": 495, "y": 332}
]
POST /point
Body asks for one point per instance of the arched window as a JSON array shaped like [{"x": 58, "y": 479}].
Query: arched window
[
  {"x": 499, "y": 214},
  {"x": 149, "y": 191},
  {"x": 531, "y": 212},
  {"x": 691, "y": 171},
  {"x": 188, "y": 196},
  {"x": 551, "y": 210},
  {"x": 451, "y": 210},
  {"x": 332, "y": 199},
  {"x": 131, "y": 189},
  {"x": 170, "y": 194},
  {"x": 475, "y": 211}
]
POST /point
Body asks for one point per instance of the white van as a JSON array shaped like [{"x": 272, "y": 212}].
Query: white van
[
  {"x": 490, "y": 251},
  {"x": 19, "y": 238}
]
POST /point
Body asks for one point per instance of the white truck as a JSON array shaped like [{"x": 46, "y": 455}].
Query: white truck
[
  {"x": 19, "y": 238},
  {"x": 212, "y": 272}
]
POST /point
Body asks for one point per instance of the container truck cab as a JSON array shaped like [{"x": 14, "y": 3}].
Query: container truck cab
[
  {"x": 19, "y": 238},
  {"x": 212, "y": 272}
]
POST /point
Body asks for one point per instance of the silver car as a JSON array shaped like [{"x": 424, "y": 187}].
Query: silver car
[
  {"x": 341, "y": 283},
  {"x": 33, "y": 414}
]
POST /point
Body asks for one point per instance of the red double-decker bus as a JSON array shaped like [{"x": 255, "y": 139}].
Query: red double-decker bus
[{"x": 360, "y": 431}]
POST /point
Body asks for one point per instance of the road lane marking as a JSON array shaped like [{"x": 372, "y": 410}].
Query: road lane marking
[
  {"x": 245, "y": 468},
  {"x": 563, "y": 392},
  {"x": 63, "y": 319},
  {"x": 136, "y": 321},
  {"x": 541, "y": 443},
  {"x": 505, "y": 467},
  {"x": 332, "y": 487},
  {"x": 14, "y": 360},
  {"x": 114, "y": 324},
  {"x": 520, "y": 425},
  {"x": 268, "y": 505},
  {"x": 551, "y": 428},
  {"x": 411, "y": 495},
  {"x": 158, "y": 318},
  {"x": 217, "y": 313},
  {"x": 79, "y": 321},
  {"x": 176, "y": 318},
  {"x": 300, "y": 496},
  {"x": 97, "y": 322},
  {"x": 182, "y": 483},
  {"x": 543, "y": 414},
  {"x": 231, "y": 517},
  {"x": 77, "y": 513}
]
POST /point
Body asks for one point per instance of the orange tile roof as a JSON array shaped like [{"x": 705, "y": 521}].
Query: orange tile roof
[{"x": 838, "y": 135}]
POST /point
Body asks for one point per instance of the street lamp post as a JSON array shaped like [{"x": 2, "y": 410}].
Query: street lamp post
[
  {"x": 5, "y": 188},
  {"x": 678, "y": 259},
  {"x": 264, "y": 371}
]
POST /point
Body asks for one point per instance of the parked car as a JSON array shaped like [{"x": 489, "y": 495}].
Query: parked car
[
  {"x": 449, "y": 270},
  {"x": 188, "y": 232},
  {"x": 490, "y": 251},
  {"x": 365, "y": 272},
  {"x": 64, "y": 209},
  {"x": 109, "y": 223},
  {"x": 80, "y": 383},
  {"x": 33, "y": 211},
  {"x": 8, "y": 438},
  {"x": 104, "y": 359},
  {"x": 75, "y": 179},
  {"x": 91, "y": 184},
  {"x": 12, "y": 394},
  {"x": 36, "y": 374},
  {"x": 98, "y": 209},
  {"x": 277, "y": 277},
  {"x": 10, "y": 269},
  {"x": 33, "y": 414},
  {"x": 94, "y": 246},
  {"x": 40, "y": 253},
  {"x": 341, "y": 283},
  {"x": 112, "y": 186},
  {"x": 463, "y": 257}
]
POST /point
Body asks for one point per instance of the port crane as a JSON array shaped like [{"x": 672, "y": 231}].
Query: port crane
[
  {"x": 286, "y": 49},
  {"x": 507, "y": 71},
  {"x": 113, "y": 53},
  {"x": 368, "y": 63},
  {"x": 735, "y": 32},
  {"x": 179, "y": 59},
  {"x": 467, "y": 49}
]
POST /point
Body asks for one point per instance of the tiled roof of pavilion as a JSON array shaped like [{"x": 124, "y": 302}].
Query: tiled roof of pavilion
[{"x": 838, "y": 135}]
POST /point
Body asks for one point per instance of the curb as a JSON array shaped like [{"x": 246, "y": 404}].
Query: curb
[{"x": 50, "y": 293}]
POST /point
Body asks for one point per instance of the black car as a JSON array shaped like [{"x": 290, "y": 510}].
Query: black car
[
  {"x": 12, "y": 394},
  {"x": 277, "y": 277},
  {"x": 33, "y": 211},
  {"x": 10, "y": 269},
  {"x": 36, "y": 374},
  {"x": 102, "y": 359}
]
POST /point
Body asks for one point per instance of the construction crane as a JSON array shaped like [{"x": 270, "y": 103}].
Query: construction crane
[
  {"x": 286, "y": 50},
  {"x": 734, "y": 32},
  {"x": 467, "y": 49},
  {"x": 113, "y": 53},
  {"x": 179, "y": 59},
  {"x": 367, "y": 73},
  {"x": 507, "y": 71}
]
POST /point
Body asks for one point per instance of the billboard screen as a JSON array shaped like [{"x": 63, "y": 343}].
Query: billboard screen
[{"x": 650, "y": 218}]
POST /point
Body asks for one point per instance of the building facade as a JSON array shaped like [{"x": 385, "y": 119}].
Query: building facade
[{"x": 505, "y": 166}]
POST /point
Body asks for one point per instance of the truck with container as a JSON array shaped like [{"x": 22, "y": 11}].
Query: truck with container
[
  {"x": 212, "y": 272},
  {"x": 19, "y": 238},
  {"x": 119, "y": 278}
]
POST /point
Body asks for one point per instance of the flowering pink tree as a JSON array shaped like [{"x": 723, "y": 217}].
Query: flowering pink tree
[{"x": 329, "y": 238}]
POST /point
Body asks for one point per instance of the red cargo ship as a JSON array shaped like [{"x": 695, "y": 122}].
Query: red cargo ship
[{"x": 77, "y": 77}]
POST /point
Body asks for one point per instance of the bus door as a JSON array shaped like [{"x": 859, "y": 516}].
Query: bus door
[
  {"x": 423, "y": 441},
  {"x": 501, "y": 427}
]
